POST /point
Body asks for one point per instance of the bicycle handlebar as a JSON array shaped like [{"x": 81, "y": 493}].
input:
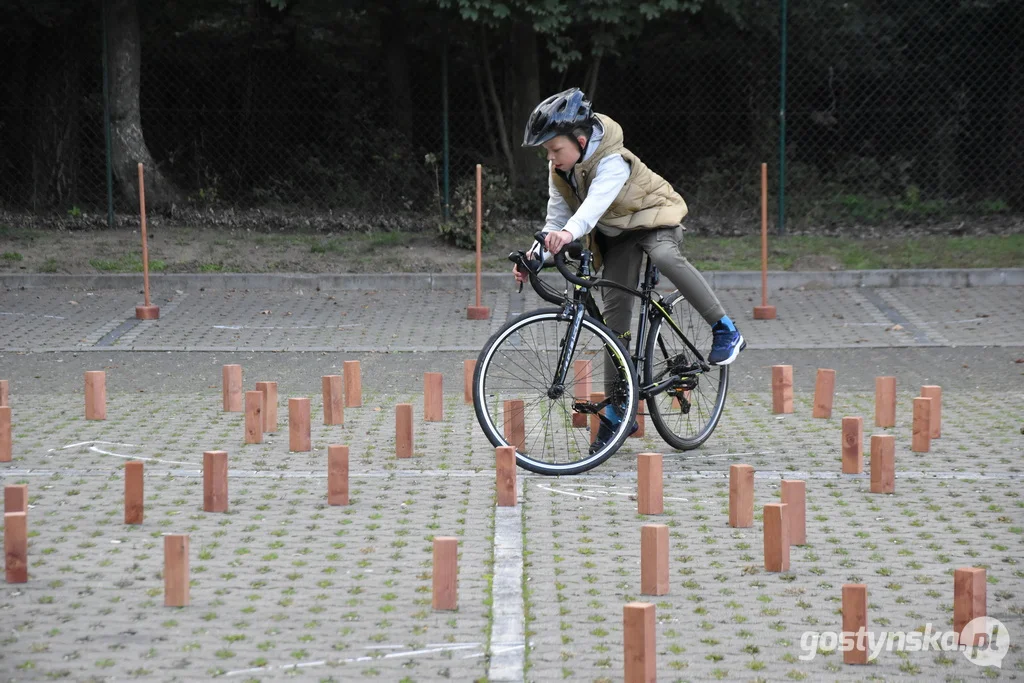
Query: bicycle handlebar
[{"x": 573, "y": 249}]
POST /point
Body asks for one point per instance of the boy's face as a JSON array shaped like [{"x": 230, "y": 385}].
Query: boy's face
[{"x": 563, "y": 152}]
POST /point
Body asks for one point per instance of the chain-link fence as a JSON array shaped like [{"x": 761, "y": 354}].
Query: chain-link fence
[{"x": 895, "y": 110}]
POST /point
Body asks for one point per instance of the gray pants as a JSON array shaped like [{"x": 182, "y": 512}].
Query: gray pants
[{"x": 622, "y": 260}]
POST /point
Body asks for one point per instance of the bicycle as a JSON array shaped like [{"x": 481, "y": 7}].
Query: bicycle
[{"x": 540, "y": 359}]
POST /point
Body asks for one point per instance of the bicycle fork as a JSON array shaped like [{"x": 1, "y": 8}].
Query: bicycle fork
[{"x": 557, "y": 388}]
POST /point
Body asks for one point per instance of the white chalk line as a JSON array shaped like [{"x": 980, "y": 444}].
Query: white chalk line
[
  {"x": 94, "y": 449},
  {"x": 352, "y": 660},
  {"x": 34, "y": 315},
  {"x": 283, "y": 327}
]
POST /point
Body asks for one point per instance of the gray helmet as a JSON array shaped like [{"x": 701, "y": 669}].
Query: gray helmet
[{"x": 558, "y": 115}]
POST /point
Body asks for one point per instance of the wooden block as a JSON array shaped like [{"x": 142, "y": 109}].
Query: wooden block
[
  {"x": 640, "y": 430},
  {"x": 269, "y": 391},
  {"x": 134, "y": 492},
  {"x": 16, "y": 498},
  {"x": 446, "y": 573},
  {"x": 232, "y": 388},
  {"x": 764, "y": 313},
  {"x": 16, "y": 546},
  {"x": 741, "y": 496},
  {"x": 215, "y": 481},
  {"x": 478, "y": 313},
  {"x": 353, "y": 384},
  {"x": 782, "y": 389},
  {"x": 855, "y": 622},
  {"x": 595, "y": 421},
  {"x": 583, "y": 375},
  {"x": 254, "y": 417},
  {"x": 96, "y": 395},
  {"x": 468, "y": 369},
  {"x": 403, "y": 430},
  {"x": 515, "y": 424},
  {"x": 6, "y": 439},
  {"x": 935, "y": 419},
  {"x": 776, "y": 537},
  {"x": 885, "y": 401},
  {"x": 299, "y": 435},
  {"x": 649, "y": 484},
  {"x": 337, "y": 475},
  {"x": 638, "y": 643},
  {"x": 853, "y": 445},
  {"x": 505, "y": 466},
  {"x": 824, "y": 389},
  {"x": 334, "y": 400},
  {"x": 654, "y": 559},
  {"x": 176, "y": 591},
  {"x": 883, "y": 463},
  {"x": 921, "y": 441},
  {"x": 5, "y": 393},
  {"x": 433, "y": 397},
  {"x": 969, "y": 602},
  {"x": 794, "y": 495},
  {"x": 143, "y": 312}
]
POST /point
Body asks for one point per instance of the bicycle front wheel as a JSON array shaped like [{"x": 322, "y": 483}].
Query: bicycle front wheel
[
  {"x": 518, "y": 404},
  {"x": 689, "y": 411}
]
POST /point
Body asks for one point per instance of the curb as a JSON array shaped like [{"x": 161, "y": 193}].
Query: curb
[{"x": 777, "y": 280}]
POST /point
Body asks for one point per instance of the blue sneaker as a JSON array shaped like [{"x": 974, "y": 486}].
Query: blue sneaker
[
  {"x": 727, "y": 344},
  {"x": 605, "y": 433}
]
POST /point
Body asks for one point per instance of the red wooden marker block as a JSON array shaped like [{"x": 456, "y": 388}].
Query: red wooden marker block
[
  {"x": 446, "y": 573},
  {"x": 269, "y": 391},
  {"x": 853, "y": 445},
  {"x": 353, "y": 384},
  {"x": 855, "y": 622},
  {"x": 6, "y": 440},
  {"x": 935, "y": 419},
  {"x": 134, "y": 488},
  {"x": 176, "y": 591},
  {"x": 16, "y": 546},
  {"x": 654, "y": 559},
  {"x": 16, "y": 498},
  {"x": 782, "y": 389},
  {"x": 921, "y": 440},
  {"x": 969, "y": 602},
  {"x": 433, "y": 397},
  {"x": 741, "y": 496},
  {"x": 649, "y": 495},
  {"x": 254, "y": 417},
  {"x": 231, "y": 376},
  {"x": 515, "y": 424},
  {"x": 95, "y": 395},
  {"x": 776, "y": 537},
  {"x": 582, "y": 385},
  {"x": 478, "y": 313},
  {"x": 505, "y": 466},
  {"x": 215, "y": 481},
  {"x": 299, "y": 435},
  {"x": 638, "y": 643},
  {"x": 337, "y": 475},
  {"x": 824, "y": 389},
  {"x": 403, "y": 430},
  {"x": 5, "y": 393},
  {"x": 885, "y": 401},
  {"x": 334, "y": 401},
  {"x": 640, "y": 430},
  {"x": 883, "y": 463},
  {"x": 794, "y": 495},
  {"x": 468, "y": 369},
  {"x": 595, "y": 422}
]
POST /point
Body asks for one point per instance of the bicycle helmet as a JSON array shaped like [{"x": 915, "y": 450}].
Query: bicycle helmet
[{"x": 558, "y": 115}]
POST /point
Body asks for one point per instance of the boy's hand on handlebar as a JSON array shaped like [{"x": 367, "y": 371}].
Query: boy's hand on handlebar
[
  {"x": 556, "y": 240},
  {"x": 519, "y": 276}
]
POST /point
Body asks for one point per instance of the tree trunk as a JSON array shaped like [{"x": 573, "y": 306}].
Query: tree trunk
[
  {"x": 497, "y": 108},
  {"x": 393, "y": 37},
  {"x": 525, "y": 96},
  {"x": 128, "y": 145}
]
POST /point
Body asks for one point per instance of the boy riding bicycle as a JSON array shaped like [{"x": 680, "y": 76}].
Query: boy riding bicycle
[{"x": 602, "y": 193}]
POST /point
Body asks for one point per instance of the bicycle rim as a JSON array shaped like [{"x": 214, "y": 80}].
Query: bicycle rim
[{"x": 519, "y": 363}]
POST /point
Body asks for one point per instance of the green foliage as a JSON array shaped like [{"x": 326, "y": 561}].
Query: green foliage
[
  {"x": 460, "y": 228},
  {"x": 11, "y": 256}
]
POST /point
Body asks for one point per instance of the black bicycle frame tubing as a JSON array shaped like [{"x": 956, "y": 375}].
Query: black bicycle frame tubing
[
  {"x": 569, "y": 347},
  {"x": 678, "y": 330}
]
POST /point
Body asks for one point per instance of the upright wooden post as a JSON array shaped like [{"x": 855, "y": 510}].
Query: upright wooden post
[
  {"x": 855, "y": 622},
  {"x": 353, "y": 384},
  {"x": 515, "y": 424},
  {"x": 446, "y": 573},
  {"x": 782, "y": 389},
  {"x": 640, "y": 426},
  {"x": 337, "y": 475},
  {"x": 582, "y": 384},
  {"x": 134, "y": 488},
  {"x": 794, "y": 495},
  {"x": 969, "y": 602},
  {"x": 596, "y": 397},
  {"x": 254, "y": 417},
  {"x": 505, "y": 475},
  {"x": 334, "y": 400},
  {"x": 922, "y": 429},
  {"x": 853, "y": 445},
  {"x": 147, "y": 311},
  {"x": 403, "y": 430},
  {"x": 6, "y": 440},
  {"x": 16, "y": 546},
  {"x": 654, "y": 559},
  {"x": 215, "y": 481},
  {"x": 5, "y": 393},
  {"x": 300, "y": 438},
  {"x": 468, "y": 369},
  {"x": 96, "y": 395},
  {"x": 269, "y": 391},
  {"x": 885, "y": 401},
  {"x": 741, "y": 496},
  {"x": 176, "y": 591},
  {"x": 764, "y": 311},
  {"x": 433, "y": 397},
  {"x": 935, "y": 419},
  {"x": 479, "y": 312},
  {"x": 883, "y": 463},
  {"x": 638, "y": 643},
  {"x": 776, "y": 537},
  {"x": 16, "y": 498},
  {"x": 232, "y": 389},
  {"x": 650, "y": 498},
  {"x": 824, "y": 389}
]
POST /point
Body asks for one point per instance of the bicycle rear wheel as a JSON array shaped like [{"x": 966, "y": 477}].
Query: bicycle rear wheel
[
  {"x": 519, "y": 363},
  {"x": 689, "y": 411}
]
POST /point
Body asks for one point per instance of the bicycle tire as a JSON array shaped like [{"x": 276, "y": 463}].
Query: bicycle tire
[
  {"x": 518, "y": 363},
  {"x": 675, "y": 424}
]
